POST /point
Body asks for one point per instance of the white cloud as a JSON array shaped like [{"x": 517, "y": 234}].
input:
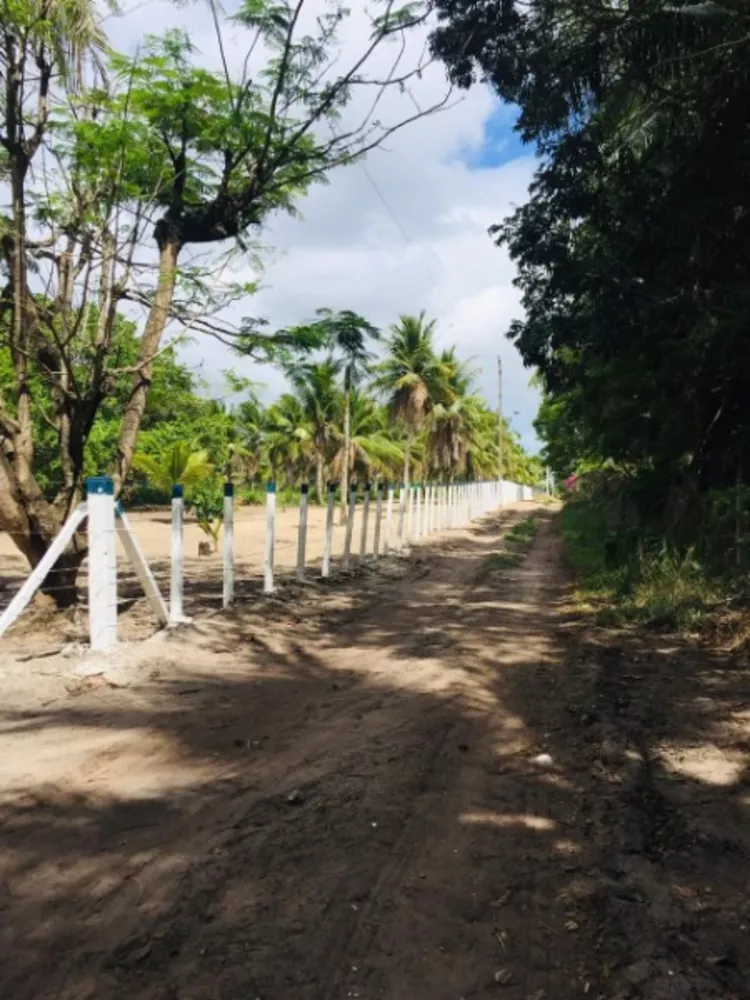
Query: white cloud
[{"x": 406, "y": 231}]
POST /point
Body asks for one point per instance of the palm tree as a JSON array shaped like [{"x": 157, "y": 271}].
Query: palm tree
[
  {"x": 288, "y": 435},
  {"x": 178, "y": 463},
  {"x": 411, "y": 377},
  {"x": 347, "y": 336},
  {"x": 453, "y": 421},
  {"x": 251, "y": 421},
  {"x": 369, "y": 449},
  {"x": 318, "y": 392}
]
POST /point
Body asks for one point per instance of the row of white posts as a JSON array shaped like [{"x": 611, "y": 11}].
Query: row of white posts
[{"x": 401, "y": 517}]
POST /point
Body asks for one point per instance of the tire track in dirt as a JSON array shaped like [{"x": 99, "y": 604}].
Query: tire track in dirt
[{"x": 355, "y": 847}]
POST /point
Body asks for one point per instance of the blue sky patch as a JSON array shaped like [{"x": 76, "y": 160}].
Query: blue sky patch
[{"x": 500, "y": 144}]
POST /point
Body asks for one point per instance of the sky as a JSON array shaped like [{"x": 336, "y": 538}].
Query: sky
[{"x": 401, "y": 232}]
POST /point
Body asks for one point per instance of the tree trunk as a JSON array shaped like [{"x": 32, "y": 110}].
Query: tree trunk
[
  {"x": 169, "y": 251},
  {"x": 345, "y": 463},
  {"x": 319, "y": 479},
  {"x": 62, "y": 582},
  {"x": 33, "y": 524},
  {"x": 407, "y": 455}
]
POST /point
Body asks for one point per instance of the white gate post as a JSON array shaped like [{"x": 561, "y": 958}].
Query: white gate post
[
  {"x": 421, "y": 510},
  {"x": 100, "y": 499},
  {"x": 176, "y": 613},
  {"x": 349, "y": 526},
  {"x": 302, "y": 536},
  {"x": 325, "y": 569},
  {"x": 228, "y": 594},
  {"x": 270, "y": 537},
  {"x": 378, "y": 514},
  {"x": 431, "y": 509},
  {"x": 388, "y": 517},
  {"x": 365, "y": 516}
]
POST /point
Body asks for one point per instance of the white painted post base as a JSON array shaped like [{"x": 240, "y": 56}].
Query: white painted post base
[
  {"x": 378, "y": 516},
  {"x": 100, "y": 499},
  {"x": 325, "y": 569},
  {"x": 228, "y": 592},
  {"x": 401, "y": 514},
  {"x": 302, "y": 536},
  {"x": 365, "y": 517},
  {"x": 349, "y": 527},
  {"x": 270, "y": 538},
  {"x": 176, "y": 612}
]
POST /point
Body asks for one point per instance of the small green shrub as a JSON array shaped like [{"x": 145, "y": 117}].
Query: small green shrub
[
  {"x": 207, "y": 503},
  {"x": 502, "y": 560}
]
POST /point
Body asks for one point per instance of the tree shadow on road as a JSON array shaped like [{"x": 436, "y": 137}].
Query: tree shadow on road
[{"x": 426, "y": 784}]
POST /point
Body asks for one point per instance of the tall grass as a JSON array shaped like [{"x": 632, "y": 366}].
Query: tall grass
[{"x": 626, "y": 576}]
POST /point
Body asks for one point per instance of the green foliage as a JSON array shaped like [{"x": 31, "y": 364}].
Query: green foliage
[
  {"x": 412, "y": 376},
  {"x": 177, "y": 463},
  {"x": 627, "y": 577},
  {"x": 633, "y": 254},
  {"x": 207, "y": 503},
  {"x": 516, "y": 542},
  {"x": 523, "y": 533}
]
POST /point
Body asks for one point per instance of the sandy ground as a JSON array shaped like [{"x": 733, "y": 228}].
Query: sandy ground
[{"x": 428, "y": 782}]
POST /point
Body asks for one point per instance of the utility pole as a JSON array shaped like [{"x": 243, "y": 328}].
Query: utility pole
[{"x": 499, "y": 418}]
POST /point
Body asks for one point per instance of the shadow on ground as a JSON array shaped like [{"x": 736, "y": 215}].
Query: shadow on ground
[{"x": 432, "y": 784}]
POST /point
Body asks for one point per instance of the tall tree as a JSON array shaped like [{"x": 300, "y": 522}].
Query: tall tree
[
  {"x": 633, "y": 248},
  {"x": 135, "y": 168},
  {"x": 347, "y": 335},
  {"x": 411, "y": 377},
  {"x": 317, "y": 388},
  {"x": 288, "y": 437},
  {"x": 366, "y": 445}
]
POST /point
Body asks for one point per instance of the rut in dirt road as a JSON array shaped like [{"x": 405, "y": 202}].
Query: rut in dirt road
[
  {"x": 407, "y": 786},
  {"x": 365, "y": 821}
]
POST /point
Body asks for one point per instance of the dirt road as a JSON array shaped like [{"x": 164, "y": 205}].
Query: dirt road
[{"x": 418, "y": 785}]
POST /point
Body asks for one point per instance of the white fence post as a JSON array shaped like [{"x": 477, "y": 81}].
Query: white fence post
[
  {"x": 349, "y": 527},
  {"x": 228, "y": 594},
  {"x": 365, "y": 516},
  {"x": 401, "y": 514},
  {"x": 325, "y": 569},
  {"x": 421, "y": 510},
  {"x": 378, "y": 514},
  {"x": 270, "y": 537},
  {"x": 37, "y": 576},
  {"x": 388, "y": 518},
  {"x": 410, "y": 515},
  {"x": 302, "y": 536},
  {"x": 176, "y": 613},
  {"x": 100, "y": 499}
]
